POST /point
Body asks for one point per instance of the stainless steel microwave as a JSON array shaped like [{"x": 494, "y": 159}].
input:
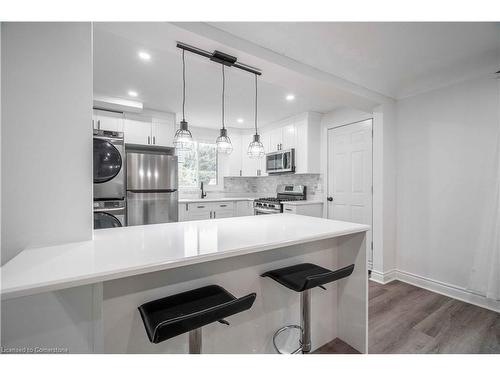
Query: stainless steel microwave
[{"x": 282, "y": 161}]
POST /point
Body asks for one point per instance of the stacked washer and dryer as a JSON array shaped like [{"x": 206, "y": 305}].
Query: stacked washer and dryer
[
  {"x": 133, "y": 184},
  {"x": 109, "y": 179}
]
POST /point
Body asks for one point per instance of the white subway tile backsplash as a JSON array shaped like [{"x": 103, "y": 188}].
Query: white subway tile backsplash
[{"x": 264, "y": 186}]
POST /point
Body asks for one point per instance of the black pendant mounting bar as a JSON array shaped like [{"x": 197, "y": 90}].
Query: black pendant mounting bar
[{"x": 219, "y": 57}]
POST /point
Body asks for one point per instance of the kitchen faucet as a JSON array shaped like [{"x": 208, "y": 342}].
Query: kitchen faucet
[{"x": 203, "y": 194}]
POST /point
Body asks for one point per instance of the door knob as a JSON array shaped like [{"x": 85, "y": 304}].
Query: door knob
[{"x": 329, "y": 199}]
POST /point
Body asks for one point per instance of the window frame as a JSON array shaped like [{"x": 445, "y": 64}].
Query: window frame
[{"x": 218, "y": 165}]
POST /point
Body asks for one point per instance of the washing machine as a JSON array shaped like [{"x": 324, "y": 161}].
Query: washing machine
[{"x": 109, "y": 165}]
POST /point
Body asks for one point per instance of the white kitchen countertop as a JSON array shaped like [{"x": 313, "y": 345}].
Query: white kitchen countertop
[
  {"x": 226, "y": 199},
  {"x": 121, "y": 252},
  {"x": 302, "y": 203}
]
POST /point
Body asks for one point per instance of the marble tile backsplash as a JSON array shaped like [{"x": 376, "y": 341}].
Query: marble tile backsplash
[{"x": 265, "y": 186}]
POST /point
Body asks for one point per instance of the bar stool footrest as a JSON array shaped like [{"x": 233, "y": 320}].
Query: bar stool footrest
[{"x": 284, "y": 329}]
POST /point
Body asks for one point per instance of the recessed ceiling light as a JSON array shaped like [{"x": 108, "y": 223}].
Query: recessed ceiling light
[
  {"x": 133, "y": 93},
  {"x": 290, "y": 97},
  {"x": 144, "y": 55},
  {"x": 240, "y": 120}
]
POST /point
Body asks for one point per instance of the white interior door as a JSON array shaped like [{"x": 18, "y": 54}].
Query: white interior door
[{"x": 350, "y": 175}]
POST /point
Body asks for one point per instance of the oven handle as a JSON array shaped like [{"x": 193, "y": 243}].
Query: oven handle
[{"x": 266, "y": 211}]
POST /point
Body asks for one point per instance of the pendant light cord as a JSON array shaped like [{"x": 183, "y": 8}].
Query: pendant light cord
[
  {"x": 223, "y": 94},
  {"x": 256, "y": 104},
  {"x": 183, "y": 85}
]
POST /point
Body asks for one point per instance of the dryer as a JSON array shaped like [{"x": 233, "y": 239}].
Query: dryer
[
  {"x": 109, "y": 165},
  {"x": 109, "y": 214}
]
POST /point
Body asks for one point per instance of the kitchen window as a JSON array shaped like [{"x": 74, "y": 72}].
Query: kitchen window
[{"x": 198, "y": 165}]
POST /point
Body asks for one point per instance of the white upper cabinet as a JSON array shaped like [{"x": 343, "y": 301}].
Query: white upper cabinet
[
  {"x": 107, "y": 120},
  {"x": 233, "y": 160},
  {"x": 163, "y": 131},
  {"x": 283, "y": 137},
  {"x": 137, "y": 132},
  {"x": 155, "y": 131},
  {"x": 275, "y": 139},
  {"x": 249, "y": 166},
  {"x": 288, "y": 137},
  {"x": 307, "y": 146}
]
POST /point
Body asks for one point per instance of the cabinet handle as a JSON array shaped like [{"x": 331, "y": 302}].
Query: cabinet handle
[
  {"x": 288, "y": 209},
  {"x": 154, "y": 140},
  {"x": 223, "y": 205},
  {"x": 210, "y": 214},
  {"x": 149, "y": 140},
  {"x": 98, "y": 124},
  {"x": 214, "y": 214},
  {"x": 200, "y": 206},
  {"x": 93, "y": 124}
]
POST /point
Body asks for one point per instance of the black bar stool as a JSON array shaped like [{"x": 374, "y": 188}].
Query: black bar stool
[
  {"x": 301, "y": 278},
  {"x": 189, "y": 311}
]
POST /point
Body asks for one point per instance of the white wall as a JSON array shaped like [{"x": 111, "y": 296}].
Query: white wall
[
  {"x": 47, "y": 134},
  {"x": 446, "y": 143},
  {"x": 46, "y": 171}
]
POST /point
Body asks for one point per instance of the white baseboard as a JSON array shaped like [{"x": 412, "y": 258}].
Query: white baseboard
[
  {"x": 435, "y": 286},
  {"x": 448, "y": 290},
  {"x": 383, "y": 277}
]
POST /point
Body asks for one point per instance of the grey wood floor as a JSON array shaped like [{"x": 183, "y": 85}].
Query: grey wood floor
[{"x": 403, "y": 318}]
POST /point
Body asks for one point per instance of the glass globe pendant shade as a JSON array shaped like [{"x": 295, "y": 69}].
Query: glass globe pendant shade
[
  {"x": 256, "y": 148},
  {"x": 224, "y": 145},
  {"x": 183, "y": 140}
]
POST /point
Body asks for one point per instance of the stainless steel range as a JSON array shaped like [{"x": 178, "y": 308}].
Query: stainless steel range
[{"x": 274, "y": 205}]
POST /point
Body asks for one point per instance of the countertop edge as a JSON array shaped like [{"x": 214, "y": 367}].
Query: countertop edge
[{"x": 7, "y": 294}]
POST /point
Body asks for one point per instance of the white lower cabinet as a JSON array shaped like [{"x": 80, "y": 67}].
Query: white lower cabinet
[
  {"x": 244, "y": 208},
  {"x": 204, "y": 211},
  {"x": 314, "y": 209},
  {"x": 214, "y": 210}
]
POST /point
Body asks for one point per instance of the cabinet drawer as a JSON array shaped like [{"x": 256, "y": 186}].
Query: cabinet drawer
[
  {"x": 289, "y": 209},
  {"x": 199, "y": 207}
]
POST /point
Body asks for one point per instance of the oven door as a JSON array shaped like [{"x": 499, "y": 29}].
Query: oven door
[{"x": 264, "y": 211}]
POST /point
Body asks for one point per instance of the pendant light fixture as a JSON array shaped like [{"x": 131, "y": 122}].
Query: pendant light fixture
[
  {"x": 183, "y": 140},
  {"x": 256, "y": 148},
  {"x": 224, "y": 145}
]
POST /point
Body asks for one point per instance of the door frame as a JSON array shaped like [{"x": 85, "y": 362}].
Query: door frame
[{"x": 329, "y": 128}]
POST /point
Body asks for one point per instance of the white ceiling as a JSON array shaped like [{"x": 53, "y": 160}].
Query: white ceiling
[
  {"x": 158, "y": 82},
  {"x": 394, "y": 59},
  {"x": 326, "y": 65}
]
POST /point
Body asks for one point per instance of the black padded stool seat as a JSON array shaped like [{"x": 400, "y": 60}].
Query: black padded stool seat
[
  {"x": 171, "y": 316},
  {"x": 305, "y": 276}
]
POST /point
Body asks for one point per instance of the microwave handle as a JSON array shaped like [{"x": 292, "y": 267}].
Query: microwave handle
[{"x": 286, "y": 161}]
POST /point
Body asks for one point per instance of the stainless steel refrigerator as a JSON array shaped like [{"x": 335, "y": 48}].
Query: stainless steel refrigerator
[{"x": 152, "y": 185}]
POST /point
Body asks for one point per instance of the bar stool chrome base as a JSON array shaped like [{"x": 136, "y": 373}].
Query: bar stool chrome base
[
  {"x": 195, "y": 341},
  {"x": 305, "y": 326}
]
